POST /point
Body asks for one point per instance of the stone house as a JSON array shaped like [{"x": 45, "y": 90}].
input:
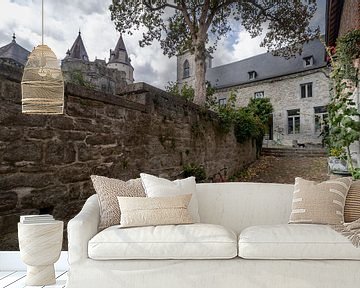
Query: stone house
[{"x": 298, "y": 89}]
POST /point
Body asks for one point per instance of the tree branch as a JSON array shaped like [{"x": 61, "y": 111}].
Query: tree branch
[
  {"x": 215, "y": 9},
  {"x": 187, "y": 19},
  {"x": 263, "y": 11},
  {"x": 148, "y": 5}
]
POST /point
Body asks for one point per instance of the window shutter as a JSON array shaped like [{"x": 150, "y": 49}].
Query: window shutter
[
  {"x": 303, "y": 92},
  {"x": 309, "y": 88}
]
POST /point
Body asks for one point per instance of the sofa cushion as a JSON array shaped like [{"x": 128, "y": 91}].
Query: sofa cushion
[
  {"x": 319, "y": 203},
  {"x": 145, "y": 211},
  {"x": 352, "y": 203},
  {"x": 192, "y": 241},
  {"x": 160, "y": 187},
  {"x": 300, "y": 241},
  {"x": 107, "y": 190}
]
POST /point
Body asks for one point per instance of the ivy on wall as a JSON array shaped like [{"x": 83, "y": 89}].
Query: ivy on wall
[{"x": 344, "y": 124}]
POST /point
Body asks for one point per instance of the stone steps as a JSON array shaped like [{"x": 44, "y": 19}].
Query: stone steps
[{"x": 294, "y": 152}]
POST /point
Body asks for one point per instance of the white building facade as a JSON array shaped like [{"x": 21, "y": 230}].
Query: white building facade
[{"x": 298, "y": 89}]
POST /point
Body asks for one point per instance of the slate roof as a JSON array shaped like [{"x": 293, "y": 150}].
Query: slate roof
[
  {"x": 266, "y": 66},
  {"x": 115, "y": 54},
  {"x": 14, "y": 52},
  {"x": 77, "y": 50}
]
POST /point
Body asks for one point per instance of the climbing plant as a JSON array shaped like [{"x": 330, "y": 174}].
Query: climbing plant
[{"x": 343, "y": 114}]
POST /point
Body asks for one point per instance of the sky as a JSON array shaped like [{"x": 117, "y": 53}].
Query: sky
[{"x": 64, "y": 19}]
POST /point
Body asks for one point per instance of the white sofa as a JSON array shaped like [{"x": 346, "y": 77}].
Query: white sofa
[{"x": 253, "y": 219}]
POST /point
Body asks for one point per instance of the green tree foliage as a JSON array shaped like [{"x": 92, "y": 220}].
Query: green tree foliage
[
  {"x": 187, "y": 92},
  {"x": 194, "y": 170},
  {"x": 77, "y": 78},
  {"x": 197, "y": 26},
  {"x": 262, "y": 108}
]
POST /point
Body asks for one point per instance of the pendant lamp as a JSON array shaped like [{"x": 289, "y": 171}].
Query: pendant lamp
[{"x": 42, "y": 84}]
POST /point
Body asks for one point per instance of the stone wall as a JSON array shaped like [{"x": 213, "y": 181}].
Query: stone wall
[
  {"x": 46, "y": 161},
  {"x": 95, "y": 74},
  {"x": 284, "y": 93}
]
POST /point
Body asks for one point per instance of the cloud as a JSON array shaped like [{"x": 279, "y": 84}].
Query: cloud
[{"x": 239, "y": 46}]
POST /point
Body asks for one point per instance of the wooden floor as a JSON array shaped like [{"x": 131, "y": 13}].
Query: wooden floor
[
  {"x": 13, "y": 270},
  {"x": 16, "y": 279}
]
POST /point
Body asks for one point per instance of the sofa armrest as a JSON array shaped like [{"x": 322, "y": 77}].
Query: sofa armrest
[{"x": 82, "y": 228}]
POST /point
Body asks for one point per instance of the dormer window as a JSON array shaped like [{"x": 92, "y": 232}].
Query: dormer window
[
  {"x": 186, "y": 72},
  {"x": 252, "y": 75},
  {"x": 259, "y": 94},
  {"x": 308, "y": 61}
]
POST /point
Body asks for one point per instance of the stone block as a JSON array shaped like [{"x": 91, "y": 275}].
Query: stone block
[
  {"x": 72, "y": 208},
  {"x": 8, "y": 201},
  {"x": 61, "y": 122},
  {"x": 72, "y": 135},
  {"x": 36, "y": 180},
  {"x": 85, "y": 152},
  {"x": 100, "y": 139},
  {"x": 75, "y": 172},
  {"x": 37, "y": 133},
  {"x": 83, "y": 109},
  {"x": 59, "y": 152},
  {"x": 8, "y": 223},
  {"x": 90, "y": 125},
  {"x": 11, "y": 116},
  {"x": 44, "y": 198},
  {"x": 23, "y": 151},
  {"x": 8, "y": 134}
]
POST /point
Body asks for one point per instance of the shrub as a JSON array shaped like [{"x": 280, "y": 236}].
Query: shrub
[{"x": 194, "y": 170}]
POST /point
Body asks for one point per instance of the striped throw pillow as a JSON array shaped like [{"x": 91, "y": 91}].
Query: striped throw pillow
[
  {"x": 352, "y": 203},
  {"x": 145, "y": 211},
  {"x": 320, "y": 203}
]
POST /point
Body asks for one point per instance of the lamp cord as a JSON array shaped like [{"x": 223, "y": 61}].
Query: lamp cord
[{"x": 42, "y": 22}]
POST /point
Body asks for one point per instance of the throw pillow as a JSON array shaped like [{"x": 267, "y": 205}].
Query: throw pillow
[
  {"x": 107, "y": 190},
  {"x": 320, "y": 203},
  {"x": 352, "y": 203},
  {"x": 160, "y": 187},
  {"x": 139, "y": 211}
]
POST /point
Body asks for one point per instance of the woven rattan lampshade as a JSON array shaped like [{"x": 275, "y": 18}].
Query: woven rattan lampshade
[{"x": 42, "y": 83}]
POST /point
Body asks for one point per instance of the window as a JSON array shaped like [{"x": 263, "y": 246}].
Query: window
[
  {"x": 252, "y": 75},
  {"x": 186, "y": 72},
  {"x": 308, "y": 61},
  {"x": 293, "y": 121},
  {"x": 321, "y": 116},
  {"x": 306, "y": 90},
  {"x": 222, "y": 101},
  {"x": 259, "y": 94}
]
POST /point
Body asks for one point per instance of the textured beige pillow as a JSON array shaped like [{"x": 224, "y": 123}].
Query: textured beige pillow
[
  {"x": 138, "y": 211},
  {"x": 320, "y": 203},
  {"x": 107, "y": 190},
  {"x": 352, "y": 203}
]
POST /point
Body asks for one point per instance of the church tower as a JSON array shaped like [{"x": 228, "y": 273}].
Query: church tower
[
  {"x": 186, "y": 68},
  {"x": 120, "y": 60},
  {"x": 77, "y": 50}
]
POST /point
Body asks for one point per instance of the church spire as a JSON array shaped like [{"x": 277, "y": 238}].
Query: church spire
[
  {"x": 119, "y": 54},
  {"x": 119, "y": 60},
  {"x": 77, "y": 50}
]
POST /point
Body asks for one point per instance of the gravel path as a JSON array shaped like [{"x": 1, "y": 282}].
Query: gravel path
[{"x": 270, "y": 169}]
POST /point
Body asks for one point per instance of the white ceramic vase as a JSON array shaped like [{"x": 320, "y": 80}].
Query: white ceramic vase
[{"x": 40, "y": 247}]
